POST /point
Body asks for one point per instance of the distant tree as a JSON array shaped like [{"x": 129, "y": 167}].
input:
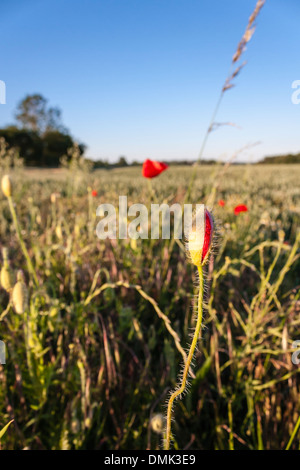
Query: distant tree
[
  {"x": 34, "y": 115},
  {"x": 122, "y": 162},
  {"x": 55, "y": 144},
  {"x": 39, "y": 137},
  {"x": 28, "y": 143},
  {"x": 101, "y": 164}
]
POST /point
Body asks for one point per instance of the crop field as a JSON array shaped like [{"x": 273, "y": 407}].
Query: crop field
[{"x": 97, "y": 342}]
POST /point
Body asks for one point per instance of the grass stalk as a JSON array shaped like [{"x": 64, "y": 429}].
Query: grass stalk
[
  {"x": 296, "y": 428},
  {"x": 21, "y": 241}
]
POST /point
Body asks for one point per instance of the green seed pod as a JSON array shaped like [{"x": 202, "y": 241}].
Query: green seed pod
[{"x": 20, "y": 295}]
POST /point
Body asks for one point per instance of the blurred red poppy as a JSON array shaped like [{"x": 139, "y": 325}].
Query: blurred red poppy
[
  {"x": 94, "y": 193},
  {"x": 152, "y": 168},
  {"x": 221, "y": 203},
  {"x": 240, "y": 208}
]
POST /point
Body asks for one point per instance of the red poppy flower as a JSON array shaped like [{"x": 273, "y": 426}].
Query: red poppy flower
[
  {"x": 152, "y": 168},
  {"x": 94, "y": 193},
  {"x": 240, "y": 208},
  {"x": 221, "y": 203}
]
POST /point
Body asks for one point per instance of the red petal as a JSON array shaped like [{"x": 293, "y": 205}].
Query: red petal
[
  {"x": 208, "y": 234},
  {"x": 152, "y": 168}
]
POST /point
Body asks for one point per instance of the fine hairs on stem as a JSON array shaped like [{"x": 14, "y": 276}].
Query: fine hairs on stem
[
  {"x": 198, "y": 249},
  {"x": 182, "y": 387}
]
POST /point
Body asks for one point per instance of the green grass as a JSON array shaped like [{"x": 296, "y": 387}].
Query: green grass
[{"x": 92, "y": 360}]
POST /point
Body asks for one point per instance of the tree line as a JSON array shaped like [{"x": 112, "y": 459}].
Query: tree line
[{"x": 38, "y": 135}]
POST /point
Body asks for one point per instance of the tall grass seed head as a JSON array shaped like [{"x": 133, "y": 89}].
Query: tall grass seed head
[
  {"x": 6, "y": 186},
  {"x": 20, "y": 294},
  {"x": 200, "y": 239}
]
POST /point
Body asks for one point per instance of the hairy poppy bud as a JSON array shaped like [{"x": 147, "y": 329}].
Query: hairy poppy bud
[{"x": 200, "y": 240}]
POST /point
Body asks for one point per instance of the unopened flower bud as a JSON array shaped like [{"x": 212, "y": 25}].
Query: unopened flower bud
[
  {"x": 200, "y": 239},
  {"x": 6, "y": 186},
  {"x": 7, "y": 278},
  {"x": 20, "y": 294},
  {"x": 6, "y": 275}
]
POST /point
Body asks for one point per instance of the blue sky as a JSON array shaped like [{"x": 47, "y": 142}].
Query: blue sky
[{"x": 141, "y": 78}]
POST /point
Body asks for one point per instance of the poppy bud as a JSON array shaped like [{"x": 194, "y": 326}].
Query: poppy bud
[
  {"x": 6, "y": 186},
  {"x": 200, "y": 242},
  {"x": 6, "y": 275},
  {"x": 20, "y": 294}
]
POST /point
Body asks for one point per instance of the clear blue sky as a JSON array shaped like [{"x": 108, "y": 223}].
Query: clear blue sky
[{"x": 141, "y": 78}]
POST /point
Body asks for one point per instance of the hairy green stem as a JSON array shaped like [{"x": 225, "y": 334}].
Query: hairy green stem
[{"x": 181, "y": 389}]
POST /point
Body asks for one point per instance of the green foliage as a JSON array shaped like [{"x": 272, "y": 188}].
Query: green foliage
[
  {"x": 92, "y": 361},
  {"x": 55, "y": 144},
  {"x": 290, "y": 158},
  {"x": 35, "y": 150},
  {"x": 3, "y": 430},
  {"x": 9, "y": 158}
]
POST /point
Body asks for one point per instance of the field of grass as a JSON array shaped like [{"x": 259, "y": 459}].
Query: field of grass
[{"x": 94, "y": 357}]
